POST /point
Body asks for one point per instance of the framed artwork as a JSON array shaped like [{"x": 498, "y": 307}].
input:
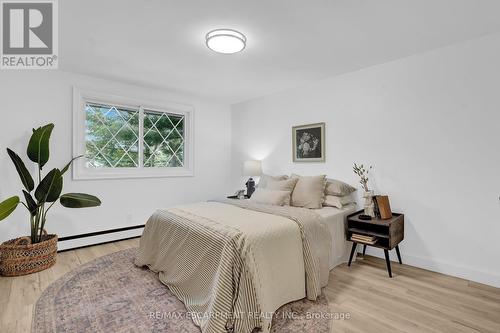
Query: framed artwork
[{"x": 308, "y": 143}]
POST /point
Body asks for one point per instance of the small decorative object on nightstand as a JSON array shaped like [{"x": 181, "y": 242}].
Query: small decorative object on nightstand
[
  {"x": 363, "y": 172},
  {"x": 240, "y": 194},
  {"x": 251, "y": 168},
  {"x": 385, "y": 234},
  {"x": 238, "y": 198}
]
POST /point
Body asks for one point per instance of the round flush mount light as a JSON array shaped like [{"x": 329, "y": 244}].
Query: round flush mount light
[{"x": 226, "y": 41}]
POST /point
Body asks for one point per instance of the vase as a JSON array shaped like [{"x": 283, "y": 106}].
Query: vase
[{"x": 369, "y": 206}]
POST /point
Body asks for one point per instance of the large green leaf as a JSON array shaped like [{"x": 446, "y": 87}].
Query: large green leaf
[
  {"x": 8, "y": 206},
  {"x": 32, "y": 206},
  {"x": 50, "y": 187},
  {"x": 26, "y": 178},
  {"x": 79, "y": 200},
  {"x": 63, "y": 170},
  {"x": 38, "y": 147}
]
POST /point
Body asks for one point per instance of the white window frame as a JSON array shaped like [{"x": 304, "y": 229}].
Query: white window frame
[{"x": 81, "y": 172}]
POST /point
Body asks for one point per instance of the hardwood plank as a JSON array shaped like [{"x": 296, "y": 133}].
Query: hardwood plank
[
  {"x": 453, "y": 301},
  {"x": 129, "y": 243},
  {"x": 415, "y": 300},
  {"x": 435, "y": 281},
  {"x": 415, "y": 311},
  {"x": 5, "y": 285}
]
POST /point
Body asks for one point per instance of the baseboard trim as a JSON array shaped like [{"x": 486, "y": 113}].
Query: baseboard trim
[
  {"x": 98, "y": 237},
  {"x": 439, "y": 266},
  {"x": 102, "y": 243},
  {"x": 103, "y": 232}
]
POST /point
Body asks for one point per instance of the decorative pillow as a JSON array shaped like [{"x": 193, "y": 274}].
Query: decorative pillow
[
  {"x": 338, "y": 202},
  {"x": 271, "y": 197},
  {"x": 309, "y": 192},
  {"x": 338, "y": 188},
  {"x": 282, "y": 185},
  {"x": 265, "y": 178}
]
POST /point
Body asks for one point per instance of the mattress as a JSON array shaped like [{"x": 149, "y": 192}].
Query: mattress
[{"x": 334, "y": 219}]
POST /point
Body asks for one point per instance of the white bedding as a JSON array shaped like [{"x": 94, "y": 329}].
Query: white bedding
[
  {"x": 276, "y": 249},
  {"x": 273, "y": 246},
  {"x": 334, "y": 218}
]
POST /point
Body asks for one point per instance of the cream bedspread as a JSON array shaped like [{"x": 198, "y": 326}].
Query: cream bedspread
[{"x": 235, "y": 262}]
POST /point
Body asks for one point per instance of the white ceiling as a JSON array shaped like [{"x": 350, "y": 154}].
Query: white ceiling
[{"x": 160, "y": 43}]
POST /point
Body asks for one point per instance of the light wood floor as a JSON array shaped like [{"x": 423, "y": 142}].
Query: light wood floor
[{"x": 414, "y": 300}]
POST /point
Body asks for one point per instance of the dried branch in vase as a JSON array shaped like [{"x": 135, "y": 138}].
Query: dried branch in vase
[{"x": 363, "y": 175}]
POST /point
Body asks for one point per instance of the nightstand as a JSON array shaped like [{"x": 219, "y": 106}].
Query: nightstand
[{"x": 387, "y": 234}]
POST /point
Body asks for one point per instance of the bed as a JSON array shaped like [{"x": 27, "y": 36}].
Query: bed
[
  {"x": 233, "y": 262},
  {"x": 334, "y": 218}
]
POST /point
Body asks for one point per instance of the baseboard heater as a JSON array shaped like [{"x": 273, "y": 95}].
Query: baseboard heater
[{"x": 98, "y": 238}]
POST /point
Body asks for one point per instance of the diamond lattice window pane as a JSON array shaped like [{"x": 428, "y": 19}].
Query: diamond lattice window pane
[
  {"x": 163, "y": 140},
  {"x": 112, "y": 136}
]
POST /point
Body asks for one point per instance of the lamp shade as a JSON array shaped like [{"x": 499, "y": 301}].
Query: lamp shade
[{"x": 252, "y": 168}]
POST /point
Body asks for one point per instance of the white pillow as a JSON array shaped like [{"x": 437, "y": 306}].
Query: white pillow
[
  {"x": 309, "y": 192},
  {"x": 282, "y": 185},
  {"x": 265, "y": 178},
  {"x": 338, "y": 202},
  {"x": 338, "y": 188},
  {"x": 271, "y": 197}
]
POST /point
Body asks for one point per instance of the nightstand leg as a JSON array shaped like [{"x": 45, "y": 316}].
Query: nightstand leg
[
  {"x": 399, "y": 255},
  {"x": 354, "y": 245},
  {"x": 388, "y": 262},
  {"x": 364, "y": 249}
]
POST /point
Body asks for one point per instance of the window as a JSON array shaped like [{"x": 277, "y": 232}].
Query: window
[
  {"x": 111, "y": 136},
  {"x": 119, "y": 137},
  {"x": 163, "y": 139}
]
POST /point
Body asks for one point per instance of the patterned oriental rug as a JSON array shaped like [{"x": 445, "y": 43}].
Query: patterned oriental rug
[{"x": 111, "y": 294}]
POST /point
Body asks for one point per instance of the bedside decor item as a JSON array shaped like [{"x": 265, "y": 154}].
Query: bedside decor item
[
  {"x": 363, "y": 175},
  {"x": 237, "y": 198},
  {"x": 383, "y": 234},
  {"x": 384, "y": 208},
  {"x": 37, "y": 252},
  {"x": 369, "y": 205},
  {"x": 308, "y": 143},
  {"x": 371, "y": 240},
  {"x": 240, "y": 194},
  {"x": 251, "y": 168}
]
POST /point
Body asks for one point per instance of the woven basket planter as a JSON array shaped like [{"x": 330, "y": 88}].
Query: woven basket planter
[{"x": 20, "y": 257}]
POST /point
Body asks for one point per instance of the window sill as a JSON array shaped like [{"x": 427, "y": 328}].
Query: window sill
[{"x": 124, "y": 173}]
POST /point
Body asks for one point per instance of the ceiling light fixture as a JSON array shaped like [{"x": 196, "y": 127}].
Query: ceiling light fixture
[{"x": 226, "y": 41}]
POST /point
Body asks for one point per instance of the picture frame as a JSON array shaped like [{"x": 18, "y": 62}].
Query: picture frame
[{"x": 308, "y": 143}]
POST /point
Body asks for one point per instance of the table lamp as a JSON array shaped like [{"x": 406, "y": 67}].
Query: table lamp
[{"x": 251, "y": 169}]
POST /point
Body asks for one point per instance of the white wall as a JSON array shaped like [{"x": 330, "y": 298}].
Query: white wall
[
  {"x": 33, "y": 98},
  {"x": 430, "y": 125}
]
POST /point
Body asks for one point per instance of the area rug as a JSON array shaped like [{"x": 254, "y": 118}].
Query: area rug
[{"x": 111, "y": 294}]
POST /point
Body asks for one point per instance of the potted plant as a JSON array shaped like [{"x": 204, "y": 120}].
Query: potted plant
[
  {"x": 369, "y": 206},
  {"x": 37, "y": 252}
]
